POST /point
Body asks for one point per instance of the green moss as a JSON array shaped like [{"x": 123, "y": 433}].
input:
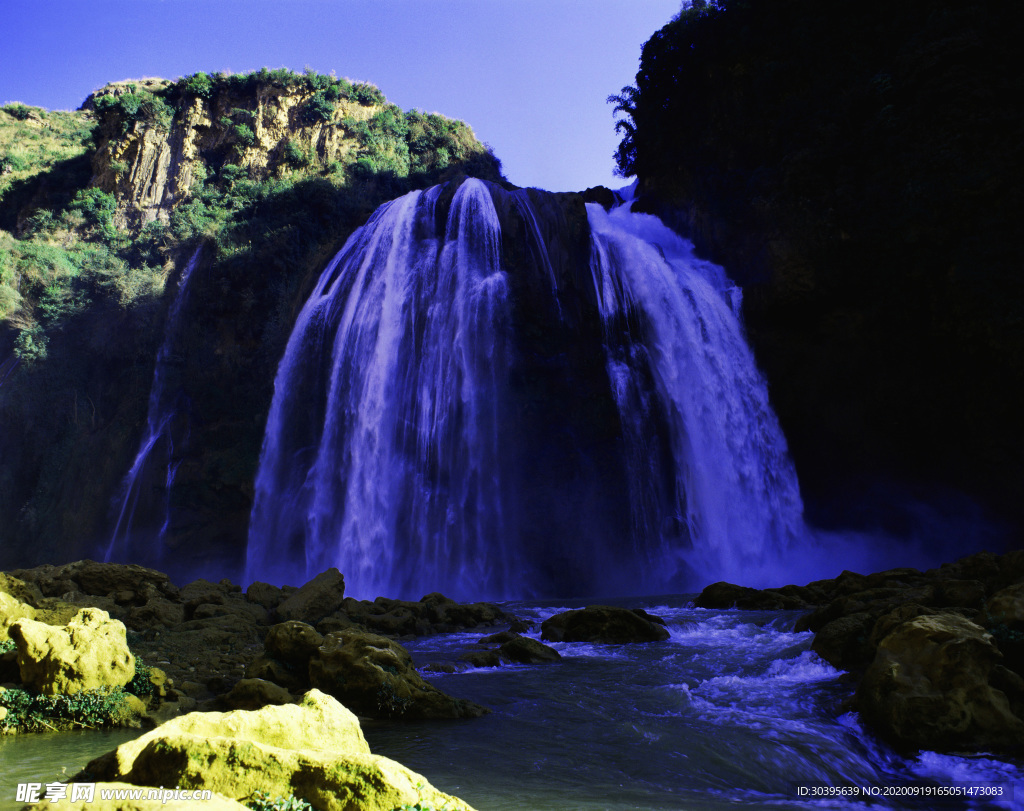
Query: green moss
[{"x": 260, "y": 801}]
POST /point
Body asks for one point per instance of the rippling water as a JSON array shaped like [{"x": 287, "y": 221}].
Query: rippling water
[{"x": 734, "y": 710}]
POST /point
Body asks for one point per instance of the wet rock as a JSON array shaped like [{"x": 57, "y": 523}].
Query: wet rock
[
  {"x": 287, "y": 676},
  {"x": 91, "y": 651},
  {"x": 931, "y": 685},
  {"x": 375, "y": 677},
  {"x": 314, "y": 750},
  {"x": 293, "y": 643},
  {"x": 99, "y": 579},
  {"x": 251, "y": 694},
  {"x": 525, "y": 651},
  {"x": 513, "y": 649},
  {"x": 728, "y": 595},
  {"x": 602, "y": 623},
  {"x": 158, "y": 612},
  {"x": 845, "y": 642},
  {"x": 321, "y": 596}
]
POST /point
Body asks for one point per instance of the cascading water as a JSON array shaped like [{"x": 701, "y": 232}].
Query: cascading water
[
  {"x": 384, "y": 447},
  {"x": 143, "y": 507},
  {"x": 445, "y": 416},
  {"x": 676, "y": 346}
]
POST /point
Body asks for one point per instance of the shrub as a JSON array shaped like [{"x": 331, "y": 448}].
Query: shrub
[
  {"x": 30, "y": 346},
  {"x": 20, "y": 111},
  {"x": 244, "y": 134},
  {"x": 260, "y": 801},
  {"x": 89, "y": 709},
  {"x": 367, "y": 94},
  {"x": 294, "y": 155},
  {"x": 318, "y": 108},
  {"x": 198, "y": 84}
]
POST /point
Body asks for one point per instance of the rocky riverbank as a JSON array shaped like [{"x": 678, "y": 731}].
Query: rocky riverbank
[{"x": 938, "y": 655}]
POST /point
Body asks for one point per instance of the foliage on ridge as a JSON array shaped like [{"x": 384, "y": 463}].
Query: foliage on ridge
[{"x": 85, "y": 282}]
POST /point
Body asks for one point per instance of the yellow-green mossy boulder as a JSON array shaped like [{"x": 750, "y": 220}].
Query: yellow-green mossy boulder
[
  {"x": 314, "y": 750},
  {"x": 122, "y": 797},
  {"x": 375, "y": 676},
  {"x": 91, "y": 651},
  {"x": 937, "y": 683}
]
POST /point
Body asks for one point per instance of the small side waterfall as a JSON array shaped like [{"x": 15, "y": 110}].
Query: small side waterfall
[
  {"x": 446, "y": 418},
  {"x": 677, "y": 355},
  {"x": 143, "y": 507}
]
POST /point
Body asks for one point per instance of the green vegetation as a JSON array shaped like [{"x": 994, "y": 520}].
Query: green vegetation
[
  {"x": 89, "y": 709},
  {"x": 294, "y": 162},
  {"x": 260, "y": 801}
]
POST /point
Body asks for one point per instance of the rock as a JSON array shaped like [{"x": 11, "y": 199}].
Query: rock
[
  {"x": 264, "y": 594},
  {"x": 845, "y": 642},
  {"x": 525, "y": 651},
  {"x": 121, "y": 801},
  {"x": 602, "y": 623},
  {"x": 375, "y": 677},
  {"x": 483, "y": 658},
  {"x": 294, "y": 643},
  {"x": 518, "y": 626},
  {"x": 102, "y": 579},
  {"x": 12, "y": 610},
  {"x": 1006, "y": 607},
  {"x": 728, "y": 595},
  {"x": 279, "y": 673},
  {"x": 251, "y": 694},
  {"x": 314, "y": 750},
  {"x": 930, "y": 686},
  {"x": 321, "y": 596},
  {"x": 90, "y": 651},
  {"x": 159, "y": 612}
]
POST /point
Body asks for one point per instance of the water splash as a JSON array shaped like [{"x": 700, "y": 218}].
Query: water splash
[
  {"x": 143, "y": 506},
  {"x": 384, "y": 447},
  {"x": 677, "y": 355},
  {"x": 437, "y": 424}
]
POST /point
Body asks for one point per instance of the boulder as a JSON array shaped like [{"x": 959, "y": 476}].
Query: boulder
[
  {"x": 931, "y": 686},
  {"x": 264, "y": 594},
  {"x": 321, "y": 596},
  {"x": 845, "y": 642},
  {"x": 375, "y": 677},
  {"x": 293, "y": 643},
  {"x": 605, "y": 624},
  {"x": 251, "y": 694},
  {"x": 314, "y": 750},
  {"x": 728, "y": 595},
  {"x": 91, "y": 651},
  {"x": 513, "y": 649}
]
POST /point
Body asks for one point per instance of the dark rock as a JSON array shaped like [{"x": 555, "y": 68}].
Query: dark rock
[
  {"x": 525, "y": 651},
  {"x": 293, "y": 643},
  {"x": 251, "y": 694},
  {"x": 268, "y": 669},
  {"x": 602, "y": 195},
  {"x": 520, "y": 626},
  {"x": 844, "y": 643},
  {"x": 728, "y": 595},
  {"x": 498, "y": 638},
  {"x": 931, "y": 686},
  {"x": 264, "y": 594},
  {"x": 601, "y": 623},
  {"x": 483, "y": 658},
  {"x": 321, "y": 596},
  {"x": 374, "y": 676}
]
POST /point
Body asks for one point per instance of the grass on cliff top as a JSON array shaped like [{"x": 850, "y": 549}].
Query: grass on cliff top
[{"x": 34, "y": 141}]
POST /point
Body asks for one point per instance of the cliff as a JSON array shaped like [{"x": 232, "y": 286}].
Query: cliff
[
  {"x": 101, "y": 209},
  {"x": 857, "y": 167}
]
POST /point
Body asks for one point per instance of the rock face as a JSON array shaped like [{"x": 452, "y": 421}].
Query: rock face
[
  {"x": 314, "y": 750},
  {"x": 606, "y": 624},
  {"x": 375, "y": 677},
  {"x": 91, "y": 651},
  {"x": 512, "y": 648},
  {"x": 931, "y": 686},
  {"x": 152, "y": 166}
]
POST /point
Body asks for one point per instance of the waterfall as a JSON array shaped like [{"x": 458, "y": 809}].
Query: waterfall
[
  {"x": 462, "y": 407},
  {"x": 676, "y": 347},
  {"x": 143, "y": 505},
  {"x": 384, "y": 451}
]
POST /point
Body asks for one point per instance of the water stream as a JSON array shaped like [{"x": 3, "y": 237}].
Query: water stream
[{"x": 143, "y": 505}]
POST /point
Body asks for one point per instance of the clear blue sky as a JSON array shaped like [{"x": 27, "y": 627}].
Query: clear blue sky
[{"x": 530, "y": 76}]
